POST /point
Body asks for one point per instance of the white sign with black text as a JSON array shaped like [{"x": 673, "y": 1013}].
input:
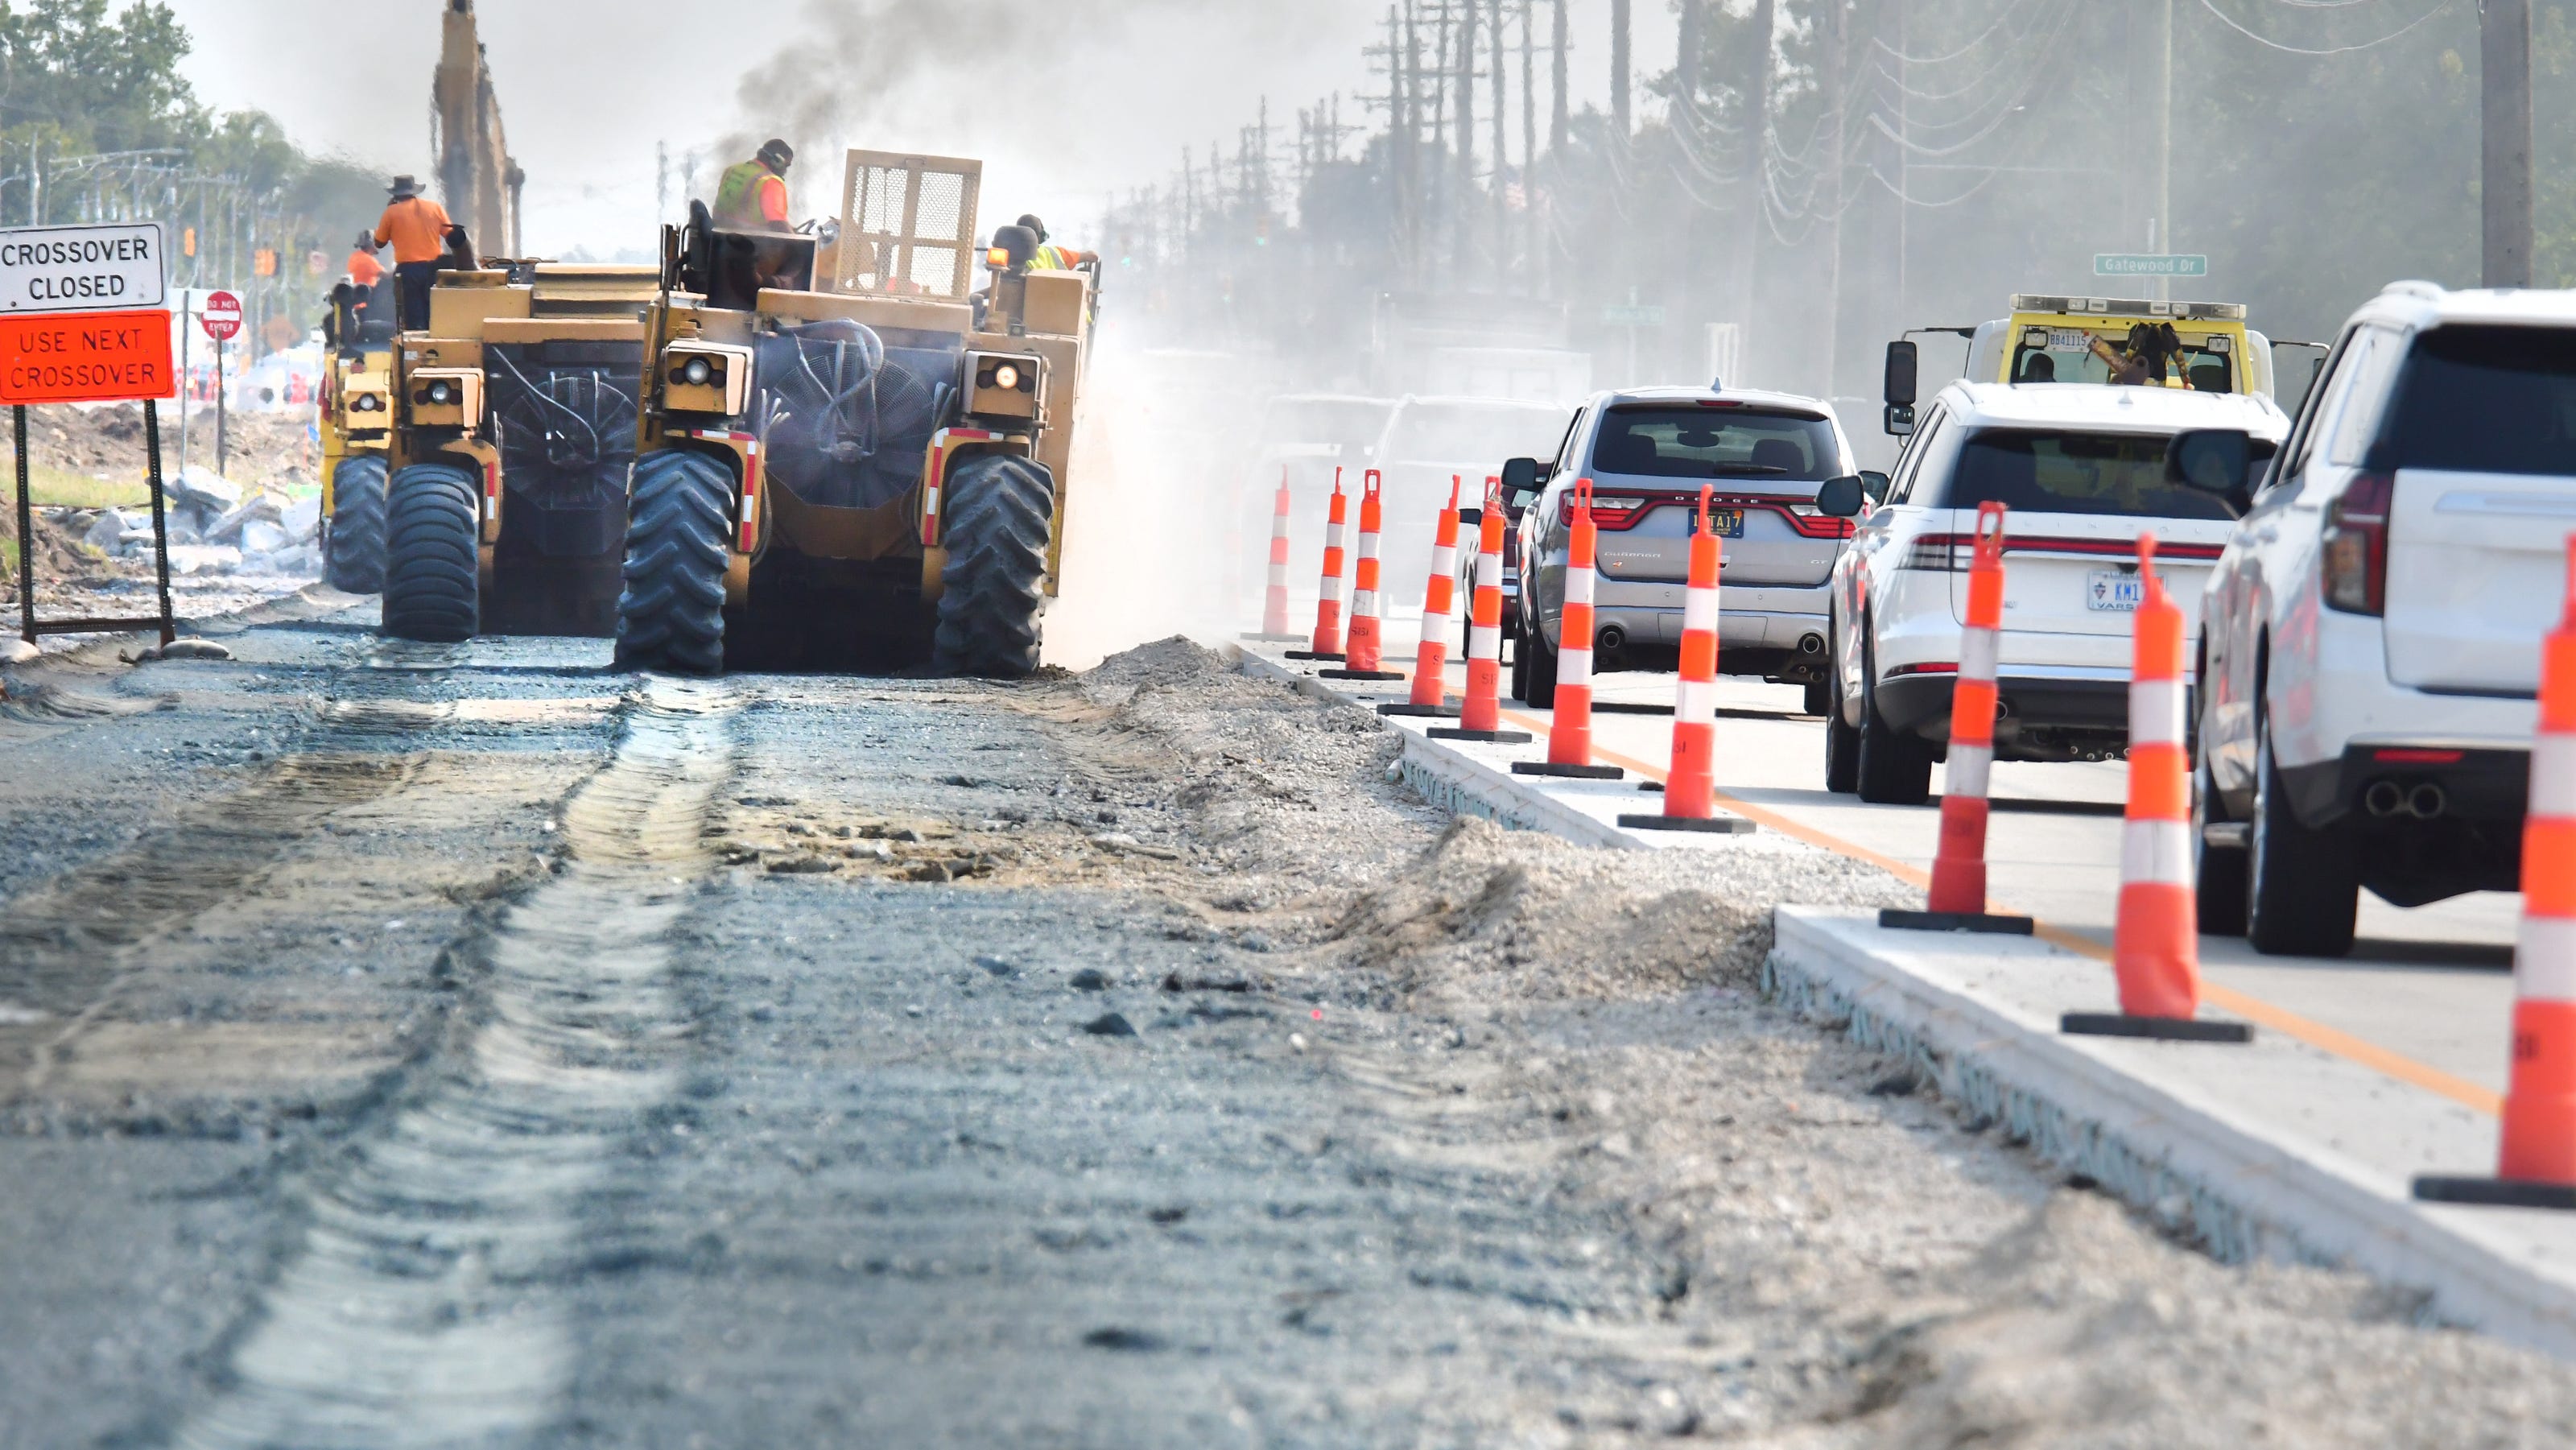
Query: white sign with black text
[{"x": 82, "y": 269}]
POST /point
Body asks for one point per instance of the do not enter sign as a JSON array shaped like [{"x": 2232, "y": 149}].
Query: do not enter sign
[
  {"x": 221, "y": 316},
  {"x": 86, "y": 357}
]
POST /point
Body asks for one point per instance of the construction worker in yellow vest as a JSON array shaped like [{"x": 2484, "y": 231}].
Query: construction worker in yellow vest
[
  {"x": 753, "y": 195},
  {"x": 1053, "y": 259}
]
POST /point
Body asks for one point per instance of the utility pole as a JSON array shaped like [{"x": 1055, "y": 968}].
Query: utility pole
[
  {"x": 1904, "y": 155},
  {"x": 1619, "y": 69},
  {"x": 661, "y": 182},
  {"x": 1529, "y": 147},
  {"x": 1502, "y": 148},
  {"x": 1686, "y": 56},
  {"x": 1462, "y": 220},
  {"x": 1557, "y": 118},
  {"x": 1757, "y": 125},
  {"x": 2160, "y": 227},
  {"x": 1833, "y": 35},
  {"x": 2504, "y": 61}
]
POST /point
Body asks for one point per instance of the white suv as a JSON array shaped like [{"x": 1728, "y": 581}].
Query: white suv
[
  {"x": 2081, "y": 470},
  {"x": 2373, "y": 628}
]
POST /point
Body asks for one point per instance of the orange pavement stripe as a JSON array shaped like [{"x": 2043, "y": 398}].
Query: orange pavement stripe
[{"x": 2253, "y": 1009}]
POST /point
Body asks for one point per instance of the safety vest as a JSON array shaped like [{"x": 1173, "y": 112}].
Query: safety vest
[
  {"x": 738, "y": 198},
  {"x": 1052, "y": 258}
]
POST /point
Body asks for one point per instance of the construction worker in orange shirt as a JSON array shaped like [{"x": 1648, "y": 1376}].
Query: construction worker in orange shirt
[
  {"x": 365, "y": 272},
  {"x": 752, "y": 197},
  {"x": 1052, "y": 258},
  {"x": 417, "y": 228}
]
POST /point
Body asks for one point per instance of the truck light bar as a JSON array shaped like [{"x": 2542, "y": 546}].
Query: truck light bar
[{"x": 2130, "y": 307}]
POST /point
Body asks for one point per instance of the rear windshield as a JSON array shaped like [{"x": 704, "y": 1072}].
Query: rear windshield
[
  {"x": 2075, "y": 473},
  {"x": 2485, "y": 400},
  {"x": 1715, "y": 443}
]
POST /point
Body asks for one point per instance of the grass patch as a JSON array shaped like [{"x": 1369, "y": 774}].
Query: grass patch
[{"x": 53, "y": 488}]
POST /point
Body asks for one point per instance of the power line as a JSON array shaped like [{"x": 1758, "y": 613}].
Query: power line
[{"x": 2233, "y": 24}]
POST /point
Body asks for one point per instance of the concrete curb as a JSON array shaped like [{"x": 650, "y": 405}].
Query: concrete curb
[
  {"x": 2164, "y": 1127},
  {"x": 2277, "y": 1150}
]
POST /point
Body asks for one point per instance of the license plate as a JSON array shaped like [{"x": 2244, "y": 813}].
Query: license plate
[
  {"x": 2114, "y": 591},
  {"x": 1729, "y": 523},
  {"x": 2069, "y": 339}
]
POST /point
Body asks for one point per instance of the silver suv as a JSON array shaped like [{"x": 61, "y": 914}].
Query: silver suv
[
  {"x": 1648, "y": 452},
  {"x": 2371, "y": 635}
]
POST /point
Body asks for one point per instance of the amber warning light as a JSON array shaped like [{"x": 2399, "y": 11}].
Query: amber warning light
[{"x": 85, "y": 357}]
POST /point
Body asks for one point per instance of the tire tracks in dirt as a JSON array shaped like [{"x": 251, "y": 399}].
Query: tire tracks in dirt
[{"x": 422, "y": 1303}]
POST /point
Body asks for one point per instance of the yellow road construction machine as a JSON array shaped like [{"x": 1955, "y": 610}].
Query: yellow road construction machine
[
  {"x": 355, "y": 422},
  {"x": 514, "y": 428},
  {"x": 849, "y": 457}
]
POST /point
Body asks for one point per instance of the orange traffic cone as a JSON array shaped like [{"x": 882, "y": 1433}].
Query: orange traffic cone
[
  {"x": 1958, "y": 895},
  {"x": 1481, "y": 717},
  {"x": 2537, "y": 1165},
  {"x": 1365, "y": 645},
  {"x": 1690, "y": 788},
  {"x": 1328, "y": 602},
  {"x": 1569, "y": 733},
  {"x": 2156, "y": 946},
  {"x": 1274, "y": 603},
  {"x": 1431, "y": 658}
]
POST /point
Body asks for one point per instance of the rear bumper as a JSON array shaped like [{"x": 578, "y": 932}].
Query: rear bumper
[
  {"x": 2066, "y": 699},
  {"x": 1750, "y": 616},
  {"x": 2486, "y": 786}
]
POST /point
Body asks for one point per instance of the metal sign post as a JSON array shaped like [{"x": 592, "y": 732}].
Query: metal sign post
[
  {"x": 80, "y": 322},
  {"x": 222, "y": 318}
]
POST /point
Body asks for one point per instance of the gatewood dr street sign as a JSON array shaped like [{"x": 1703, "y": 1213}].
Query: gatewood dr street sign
[
  {"x": 2150, "y": 264},
  {"x": 86, "y": 357},
  {"x": 81, "y": 269}
]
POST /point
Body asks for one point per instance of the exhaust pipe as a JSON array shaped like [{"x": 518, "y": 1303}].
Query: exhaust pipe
[
  {"x": 2383, "y": 799},
  {"x": 1610, "y": 639},
  {"x": 2427, "y": 802},
  {"x": 1813, "y": 644}
]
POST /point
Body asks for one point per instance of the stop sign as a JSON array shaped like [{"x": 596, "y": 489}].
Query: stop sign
[{"x": 221, "y": 316}]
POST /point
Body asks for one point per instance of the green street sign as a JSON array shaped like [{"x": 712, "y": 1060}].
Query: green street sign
[
  {"x": 1632, "y": 315},
  {"x": 2149, "y": 264}
]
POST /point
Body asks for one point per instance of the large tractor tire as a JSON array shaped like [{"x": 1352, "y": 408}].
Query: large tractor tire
[
  {"x": 993, "y": 591},
  {"x": 671, "y": 616},
  {"x": 431, "y": 566},
  {"x": 357, "y": 544}
]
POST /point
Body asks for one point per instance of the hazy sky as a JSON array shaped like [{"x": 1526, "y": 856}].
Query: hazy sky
[{"x": 1103, "y": 94}]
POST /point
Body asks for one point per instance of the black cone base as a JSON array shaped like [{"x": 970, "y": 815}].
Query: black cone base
[
  {"x": 1710, "y": 826},
  {"x": 1893, "y": 920},
  {"x": 2160, "y": 1029},
  {"x": 1651, "y": 787},
  {"x": 1572, "y": 772},
  {"x": 1421, "y": 712},
  {"x": 1307, "y": 654},
  {"x": 1490, "y": 737},
  {"x": 1276, "y": 638},
  {"x": 2496, "y": 1192},
  {"x": 1628, "y": 707},
  {"x": 1363, "y": 674}
]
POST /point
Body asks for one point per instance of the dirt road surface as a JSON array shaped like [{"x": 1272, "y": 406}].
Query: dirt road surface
[{"x": 425, "y": 1046}]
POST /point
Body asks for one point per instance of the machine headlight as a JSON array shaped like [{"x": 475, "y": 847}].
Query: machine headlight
[
  {"x": 441, "y": 393},
  {"x": 1006, "y": 376},
  {"x": 697, "y": 371}
]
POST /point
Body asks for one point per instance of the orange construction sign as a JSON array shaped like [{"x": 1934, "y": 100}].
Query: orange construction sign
[{"x": 86, "y": 357}]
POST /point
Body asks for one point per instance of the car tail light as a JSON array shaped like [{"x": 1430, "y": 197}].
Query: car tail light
[
  {"x": 2356, "y": 545},
  {"x": 1938, "y": 554},
  {"x": 1811, "y": 523},
  {"x": 1619, "y": 511}
]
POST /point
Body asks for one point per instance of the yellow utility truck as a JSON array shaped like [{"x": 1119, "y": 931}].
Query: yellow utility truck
[
  {"x": 355, "y": 421},
  {"x": 852, "y": 456}
]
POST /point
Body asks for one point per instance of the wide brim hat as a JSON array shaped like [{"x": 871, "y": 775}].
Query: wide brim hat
[{"x": 403, "y": 186}]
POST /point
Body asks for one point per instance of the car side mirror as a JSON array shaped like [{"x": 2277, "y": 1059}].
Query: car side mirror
[
  {"x": 2212, "y": 460},
  {"x": 1520, "y": 476},
  {"x": 1900, "y": 420},
  {"x": 1841, "y": 498},
  {"x": 1901, "y": 370},
  {"x": 1874, "y": 484}
]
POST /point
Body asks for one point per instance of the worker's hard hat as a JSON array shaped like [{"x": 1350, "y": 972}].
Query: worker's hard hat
[
  {"x": 1033, "y": 224},
  {"x": 778, "y": 154}
]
